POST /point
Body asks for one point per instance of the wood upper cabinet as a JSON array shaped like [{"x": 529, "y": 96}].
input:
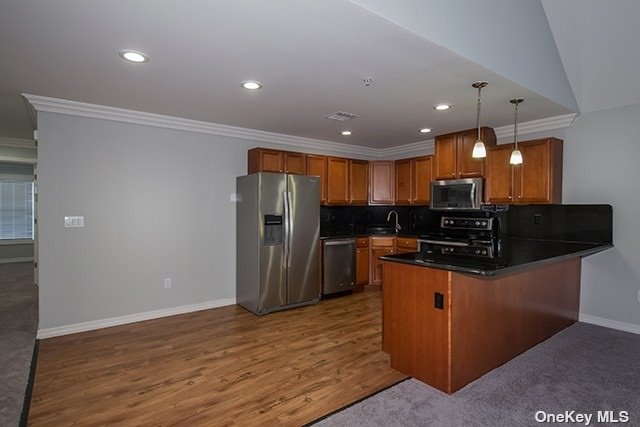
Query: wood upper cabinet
[
  {"x": 404, "y": 182},
  {"x": 413, "y": 180},
  {"x": 422, "y": 177},
  {"x": 381, "y": 183},
  {"x": 358, "y": 182},
  {"x": 317, "y": 166},
  {"x": 453, "y": 153},
  {"x": 537, "y": 180},
  {"x": 295, "y": 163},
  {"x": 265, "y": 160},
  {"x": 498, "y": 186},
  {"x": 337, "y": 181}
]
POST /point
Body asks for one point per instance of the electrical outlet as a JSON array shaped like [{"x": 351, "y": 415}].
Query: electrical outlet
[
  {"x": 167, "y": 283},
  {"x": 235, "y": 197}
]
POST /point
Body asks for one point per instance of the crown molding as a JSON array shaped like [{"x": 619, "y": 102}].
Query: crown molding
[
  {"x": 17, "y": 143},
  {"x": 62, "y": 106},
  {"x": 549, "y": 123},
  {"x": 82, "y": 109},
  {"x": 414, "y": 149}
]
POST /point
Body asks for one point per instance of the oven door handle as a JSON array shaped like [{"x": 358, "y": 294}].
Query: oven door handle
[{"x": 443, "y": 242}]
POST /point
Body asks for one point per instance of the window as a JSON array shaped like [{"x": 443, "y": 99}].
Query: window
[{"x": 16, "y": 201}]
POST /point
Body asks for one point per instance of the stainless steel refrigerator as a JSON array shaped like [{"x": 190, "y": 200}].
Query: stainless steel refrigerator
[{"x": 277, "y": 246}]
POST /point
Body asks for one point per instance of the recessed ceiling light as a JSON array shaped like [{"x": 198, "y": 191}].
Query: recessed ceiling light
[
  {"x": 442, "y": 107},
  {"x": 425, "y": 130},
  {"x": 133, "y": 56},
  {"x": 346, "y": 132},
  {"x": 251, "y": 85}
]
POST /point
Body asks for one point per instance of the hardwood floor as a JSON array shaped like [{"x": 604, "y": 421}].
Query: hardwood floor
[{"x": 217, "y": 367}]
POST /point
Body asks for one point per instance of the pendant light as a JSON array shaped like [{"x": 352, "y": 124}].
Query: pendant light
[
  {"x": 516, "y": 155},
  {"x": 479, "y": 150}
]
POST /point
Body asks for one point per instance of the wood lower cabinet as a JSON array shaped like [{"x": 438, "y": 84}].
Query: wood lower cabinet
[
  {"x": 317, "y": 166},
  {"x": 406, "y": 244},
  {"x": 413, "y": 180},
  {"x": 362, "y": 262},
  {"x": 337, "y": 181},
  {"x": 453, "y": 153},
  {"x": 380, "y": 246},
  {"x": 358, "y": 182},
  {"x": 537, "y": 180},
  {"x": 381, "y": 183}
]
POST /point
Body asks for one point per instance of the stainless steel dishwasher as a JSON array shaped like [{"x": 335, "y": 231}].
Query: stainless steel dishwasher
[{"x": 339, "y": 266}]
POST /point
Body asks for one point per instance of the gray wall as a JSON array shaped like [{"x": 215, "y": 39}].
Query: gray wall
[{"x": 156, "y": 204}]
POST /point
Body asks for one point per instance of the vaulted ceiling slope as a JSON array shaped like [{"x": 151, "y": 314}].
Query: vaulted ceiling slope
[
  {"x": 509, "y": 37},
  {"x": 311, "y": 57},
  {"x": 599, "y": 43}
]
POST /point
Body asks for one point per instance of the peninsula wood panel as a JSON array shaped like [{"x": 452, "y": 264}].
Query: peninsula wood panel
[
  {"x": 415, "y": 333},
  {"x": 216, "y": 367},
  {"x": 494, "y": 320}
]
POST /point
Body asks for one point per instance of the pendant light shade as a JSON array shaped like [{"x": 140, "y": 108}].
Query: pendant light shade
[
  {"x": 479, "y": 150},
  {"x": 516, "y": 155}
]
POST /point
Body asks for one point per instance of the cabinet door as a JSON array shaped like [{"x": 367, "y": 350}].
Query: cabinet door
[
  {"x": 264, "y": 160},
  {"x": 422, "y": 177},
  {"x": 499, "y": 175},
  {"x": 445, "y": 156},
  {"x": 406, "y": 244},
  {"x": 404, "y": 187},
  {"x": 362, "y": 266},
  {"x": 358, "y": 182},
  {"x": 381, "y": 183},
  {"x": 337, "y": 181},
  {"x": 468, "y": 166},
  {"x": 376, "y": 278},
  {"x": 532, "y": 177},
  {"x": 317, "y": 166},
  {"x": 295, "y": 163}
]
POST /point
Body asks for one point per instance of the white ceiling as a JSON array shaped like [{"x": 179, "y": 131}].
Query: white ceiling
[
  {"x": 310, "y": 56},
  {"x": 599, "y": 43}
]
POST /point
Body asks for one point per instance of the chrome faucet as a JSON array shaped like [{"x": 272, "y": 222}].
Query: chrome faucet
[{"x": 397, "y": 224}]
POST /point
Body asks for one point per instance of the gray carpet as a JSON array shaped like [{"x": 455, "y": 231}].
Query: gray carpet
[
  {"x": 585, "y": 368},
  {"x": 18, "y": 324}
]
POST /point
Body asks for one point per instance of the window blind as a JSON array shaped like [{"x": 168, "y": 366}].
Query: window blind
[{"x": 16, "y": 202}]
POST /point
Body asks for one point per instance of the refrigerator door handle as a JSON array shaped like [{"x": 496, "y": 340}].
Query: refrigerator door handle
[
  {"x": 289, "y": 227},
  {"x": 285, "y": 258}
]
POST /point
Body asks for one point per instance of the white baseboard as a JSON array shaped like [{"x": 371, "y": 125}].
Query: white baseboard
[
  {"x": 12, "y": 260},
  {"x": 607, "y": 323},
  {"x": 131, "y": 318}
]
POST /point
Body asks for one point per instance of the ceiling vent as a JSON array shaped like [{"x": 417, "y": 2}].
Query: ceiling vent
[{"x": 341, "y": 116}]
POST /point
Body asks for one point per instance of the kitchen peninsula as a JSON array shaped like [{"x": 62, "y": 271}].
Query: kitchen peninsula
[{"x": 449, "y": 320}]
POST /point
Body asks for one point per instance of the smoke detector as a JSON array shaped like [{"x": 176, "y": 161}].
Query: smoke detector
[{"x": 341, "y": 116}]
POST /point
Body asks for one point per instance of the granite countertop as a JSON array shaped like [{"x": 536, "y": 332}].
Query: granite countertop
[{"x": 514, "y": 254}]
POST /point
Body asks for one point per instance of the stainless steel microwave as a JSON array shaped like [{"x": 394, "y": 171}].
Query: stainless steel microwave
[{"x": 457, "y": 194}]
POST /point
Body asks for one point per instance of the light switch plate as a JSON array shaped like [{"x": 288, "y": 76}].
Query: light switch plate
[{"x": 73, "y": 221}]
